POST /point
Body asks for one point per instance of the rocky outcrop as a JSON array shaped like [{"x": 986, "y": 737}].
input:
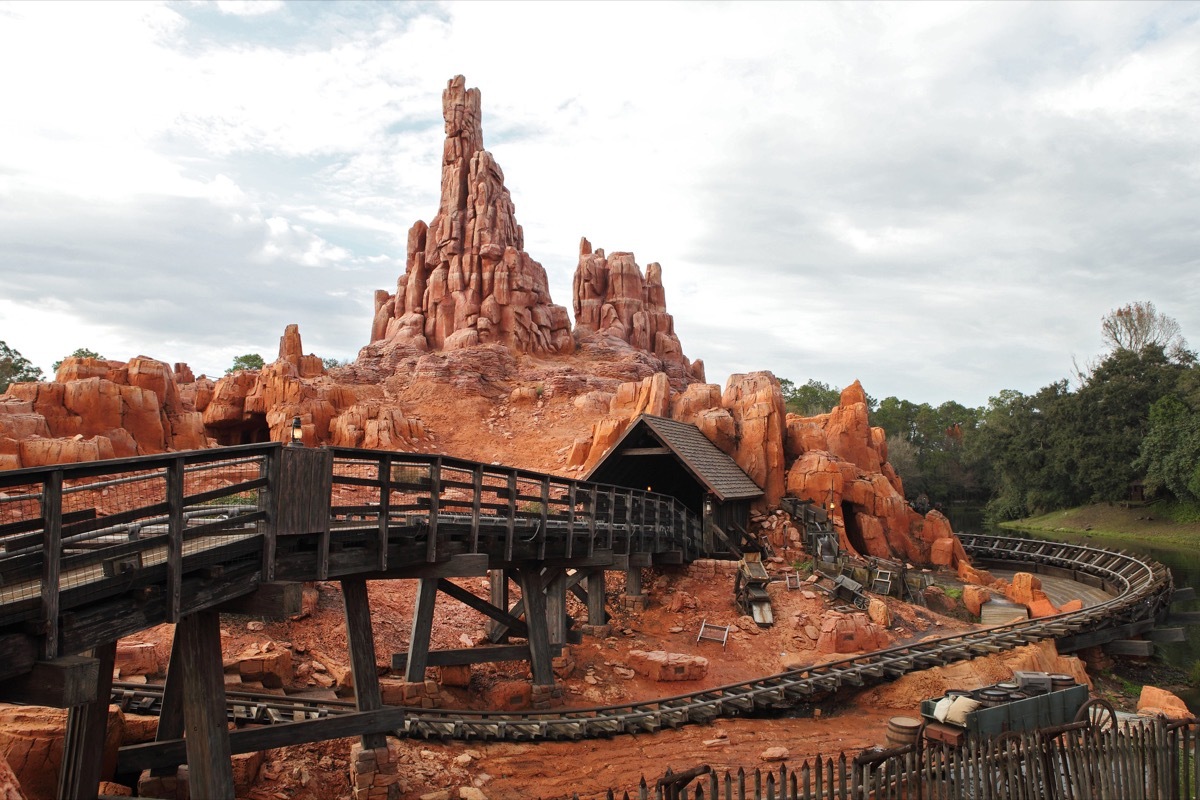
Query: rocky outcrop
[
  {"x": 1154, "y": 701},
  {"x": 468, "y": 279},
  {"x": 840, "y": 463},
  {"x": 96, "y": 409},
  {"x": 612, "y": 298},
  {"x": 850, "y": 633},
  {"x": 659, "y": 665}
]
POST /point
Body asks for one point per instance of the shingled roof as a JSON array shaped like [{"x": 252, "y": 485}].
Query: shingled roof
[{"x": 704, "y": 460}]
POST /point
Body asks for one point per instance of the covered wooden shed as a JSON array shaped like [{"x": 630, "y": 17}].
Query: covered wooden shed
[{"x": 675, "y": 458}]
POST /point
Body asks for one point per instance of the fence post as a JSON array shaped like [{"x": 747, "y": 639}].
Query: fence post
[
  {"x": 175, "y": 528},
  {"x": 435, "y": 501},
  {"x": 51, "y": 560}
]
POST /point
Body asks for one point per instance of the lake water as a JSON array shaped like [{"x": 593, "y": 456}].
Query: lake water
[{"x": 1183, "y": 562}]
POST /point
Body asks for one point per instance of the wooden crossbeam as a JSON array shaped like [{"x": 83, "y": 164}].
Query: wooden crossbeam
[
  {"x": 483, "y": 654},
  {"x": 138, "y": 757},
  {"x": 59, "y": 683}
]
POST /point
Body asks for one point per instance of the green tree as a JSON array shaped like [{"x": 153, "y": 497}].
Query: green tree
[
  {"x": 15, "y": 368},
  {"x": 1112, "y": 416},
  {"x": 247, "y": 361},
  {"x": 331, "y": 362},
  {"x": 813, "y": 398},
  {"x": 82, "y": 352},
  {"x": 1170, "y": 452}
]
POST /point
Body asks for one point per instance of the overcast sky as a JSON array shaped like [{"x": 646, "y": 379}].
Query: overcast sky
[{"x": 941, "y": 200}]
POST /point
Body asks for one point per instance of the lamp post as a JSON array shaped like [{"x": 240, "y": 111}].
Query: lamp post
[{"x": 297, "y": 433}]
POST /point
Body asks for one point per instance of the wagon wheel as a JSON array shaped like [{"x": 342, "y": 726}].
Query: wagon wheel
[
  {"x": 1009, "y": 741},
  {"x": 1099, "y": 714},
  {"x": 862, "y": 602}
]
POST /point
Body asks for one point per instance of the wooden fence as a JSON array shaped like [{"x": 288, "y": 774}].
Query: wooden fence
[{"x": 1151, "y": 759}]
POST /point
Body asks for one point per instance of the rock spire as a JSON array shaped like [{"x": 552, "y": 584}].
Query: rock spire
[{"x": 468, "y": 279}]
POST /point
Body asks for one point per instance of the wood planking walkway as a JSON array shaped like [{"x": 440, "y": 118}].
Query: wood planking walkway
[{"x": 1061, "y": 590}]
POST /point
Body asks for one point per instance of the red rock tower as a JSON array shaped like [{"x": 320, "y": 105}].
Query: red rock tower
[{"x": 468, "y": 279}]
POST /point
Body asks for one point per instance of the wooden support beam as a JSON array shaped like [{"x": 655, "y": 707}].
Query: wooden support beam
[
  {"x": 367, "y": 695},
  {"x": 484, "y": 654},
  {"x": 1166, "y": 635},
  {"x": 152, "y": 755},
  {"x": 18, "y": 654},
  {"x": 1130, "y": 647},
  {"x": 176, "y": 525},
  {"x": 305, "y": 483},
  {"x": 597, "y": 615},
  {"x": 1183, "y": 594},
  {"x": 540, "y": 659},
  {"x": 210, "y": 771},
  {"x": 633, "y": 581},
  {"x": 556, "y": 605},
  {"x": 515, "y": 626},
  {"x": 170, "y": 716},
  {"x": 1183, "y": 618},
  {"x": 498, "y": 591},
  {"x": 277, "y": 600},
  {"x": 61, "y": 683},
  {"x": 422, "y": 628},
  {"x": 83, "y": 746}
]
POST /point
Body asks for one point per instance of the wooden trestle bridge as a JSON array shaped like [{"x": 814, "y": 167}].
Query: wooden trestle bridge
[{"x": 95, "y": 552}]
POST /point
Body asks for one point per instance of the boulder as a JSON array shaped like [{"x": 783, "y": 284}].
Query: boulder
[
  {"x": 1154, "y": 701},
  {"x": 850, "y": 633},
  {"x": 660, "y": 665}
]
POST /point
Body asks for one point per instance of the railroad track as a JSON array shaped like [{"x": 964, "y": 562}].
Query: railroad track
[{"x": 1141, "y": 591}]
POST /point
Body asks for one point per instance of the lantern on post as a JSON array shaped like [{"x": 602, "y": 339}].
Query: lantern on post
[{"x": 297, "y": 433}]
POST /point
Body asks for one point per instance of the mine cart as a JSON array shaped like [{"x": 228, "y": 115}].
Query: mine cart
[
  {"x": 750, "y": 590},
  {"x": 1015, "y": 707},
  {"x": 849, "y": 590}
]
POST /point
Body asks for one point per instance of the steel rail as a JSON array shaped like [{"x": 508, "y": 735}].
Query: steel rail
[{"x": 1143, "y": 589}]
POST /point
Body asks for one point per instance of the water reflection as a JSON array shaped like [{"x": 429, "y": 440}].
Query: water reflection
[{"x": 1184, "y": 564}]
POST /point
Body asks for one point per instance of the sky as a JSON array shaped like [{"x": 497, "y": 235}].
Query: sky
[{"x": 941, "y": 200}]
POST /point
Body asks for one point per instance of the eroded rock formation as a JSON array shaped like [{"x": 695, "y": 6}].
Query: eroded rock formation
[
  {"x": 612, "y": 298},
  {"x": 468, "y": 279},
  {"x": 96, "y": 409},
  {"x": 839, "y": 462}
]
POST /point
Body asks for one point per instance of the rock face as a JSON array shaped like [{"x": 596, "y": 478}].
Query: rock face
[
  {"x": 468, "y": 279},
  {"x": 660, "y": 665},
  {"x": 96, "y": 409},
  {"x": 612, "y": 298},
  {"x": 840, "y": 463},
  {"x": 260, "y": 406}
]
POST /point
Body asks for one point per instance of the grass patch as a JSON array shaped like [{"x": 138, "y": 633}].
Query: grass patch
[{"x": 1158, "y": 523}]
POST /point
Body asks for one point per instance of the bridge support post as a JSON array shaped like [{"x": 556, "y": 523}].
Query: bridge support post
[
  {"x": 83, "y": 750},
  {"x": 498, "y": 594},
  {"x": 540, "y": 660},
  {"x": 422, "y": 629},
  {"x": 597, "y": 618},
  {"x": 556, "y": 606},
  {"x": 361, "y": 641},
  {"x": 210, "y": 770}
]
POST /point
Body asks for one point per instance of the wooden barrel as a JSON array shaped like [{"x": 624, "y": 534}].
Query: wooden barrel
[
  {"x": 1061, "y": 681},
  {"x": 902, "y": 731}
]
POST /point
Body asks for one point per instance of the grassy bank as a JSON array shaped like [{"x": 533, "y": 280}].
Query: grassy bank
[{"x": 1153, "y": 523}]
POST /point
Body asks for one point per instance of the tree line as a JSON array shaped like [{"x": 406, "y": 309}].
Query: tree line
[{"x": 1129, "y": 427}]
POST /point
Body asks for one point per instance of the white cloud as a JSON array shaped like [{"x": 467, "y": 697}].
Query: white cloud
[{"x": 940, "y": 199}]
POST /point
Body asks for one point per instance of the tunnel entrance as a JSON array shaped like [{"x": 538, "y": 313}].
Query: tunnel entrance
[
  {"x": 853, "y": 532},
  {"x": 251, "y": 431}
]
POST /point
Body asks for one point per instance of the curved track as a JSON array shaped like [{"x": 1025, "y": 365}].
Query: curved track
[{"x": 1141, "y": 592}]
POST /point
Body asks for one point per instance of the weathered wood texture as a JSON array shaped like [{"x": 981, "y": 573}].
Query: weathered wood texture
[
  {"x": 83, "y": 748},
  {"x": 210, "y": 772}
]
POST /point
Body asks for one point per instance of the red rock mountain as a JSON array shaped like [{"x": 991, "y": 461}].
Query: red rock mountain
[{"x": 472, "y": 320}]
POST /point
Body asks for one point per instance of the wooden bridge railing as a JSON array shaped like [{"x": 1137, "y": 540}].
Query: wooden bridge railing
[
  {"x": 73, "y": 534},
  {"x": 151, "y": 528},
  {"x": 439, "y": 506}
]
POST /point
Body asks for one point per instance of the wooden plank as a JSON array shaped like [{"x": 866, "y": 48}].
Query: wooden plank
[
  {"x": 476, "y": 502},
  {"x": 595, "y": 598},
  {"x": 498, "y": 594},
  {"x": 277, "y": 600},
  {"x": 305, "y": 485},
  {"x": 542, "y": 533},
  {"x": 170, "y": 715},
  {"x": 268, "y": 502},
  {"x": 175, "y": 531},
  {"x": 1183, "y": 594},
  {"x": 210, "y": 772},
  {"x": 51, "y": 563},
  {"x": 267, "y": 737},
  {"x": 646, "y": 451},
  {"x": 571, "y": 520},
  {"x": 512, "y": 515},
  {"x": 83, "y": 747},
  {"x": 361, "y": 642},
  {"x": 556, "y": 605},
  {"x": 60, "y": 683}
]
